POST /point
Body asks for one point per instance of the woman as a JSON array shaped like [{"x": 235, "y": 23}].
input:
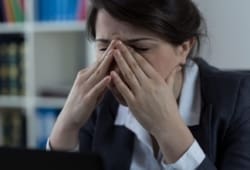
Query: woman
[{"x": 148, "y": 102}]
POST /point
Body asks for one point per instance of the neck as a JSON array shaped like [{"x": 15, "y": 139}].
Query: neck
[{"x": 178, "y": 84}]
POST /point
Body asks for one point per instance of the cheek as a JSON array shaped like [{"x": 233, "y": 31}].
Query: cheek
[
  {"x": 98, "y": 54},
  {"x": 163, "y": 64}
]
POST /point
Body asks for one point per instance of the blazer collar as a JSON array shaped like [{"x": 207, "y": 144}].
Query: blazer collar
[{"x": 204, "y": 129}]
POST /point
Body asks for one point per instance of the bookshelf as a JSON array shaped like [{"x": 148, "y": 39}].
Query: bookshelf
[{"x": 54, "y": 51}]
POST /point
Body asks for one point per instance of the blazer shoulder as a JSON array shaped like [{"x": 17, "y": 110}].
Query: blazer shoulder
[
  {"x": 224, "y": 80},
  {"x": 208, "y": 70},
  {"x": 227, "y": 90}
]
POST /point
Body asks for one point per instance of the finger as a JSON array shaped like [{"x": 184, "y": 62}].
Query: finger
[
  {"x": 101, "y": 59},
  {"x": 127, "y": 73},
  {"x": 98, "y": 89},
  {"x": 110, "y": 47},
  {"x": 126, "y": 52},
  {"x": 122, "y": 87},
  {"x": 146, "y": 67},
  {"x": 102, "y": 69}
]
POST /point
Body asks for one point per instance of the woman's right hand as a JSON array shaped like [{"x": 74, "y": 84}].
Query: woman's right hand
[{"x": 87, "y": 90}]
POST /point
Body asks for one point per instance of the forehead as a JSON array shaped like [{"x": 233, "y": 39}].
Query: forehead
[{"x": 110, "y": 28}]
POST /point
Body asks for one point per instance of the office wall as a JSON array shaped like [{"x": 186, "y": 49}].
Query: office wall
[{"x": 228, "y": 26}]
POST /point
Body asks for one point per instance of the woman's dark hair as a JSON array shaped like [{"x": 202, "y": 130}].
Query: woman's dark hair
[{"x": 174, "y": 20}]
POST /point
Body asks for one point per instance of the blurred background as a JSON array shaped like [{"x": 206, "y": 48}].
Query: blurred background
[{"x": 43, "y": 44}]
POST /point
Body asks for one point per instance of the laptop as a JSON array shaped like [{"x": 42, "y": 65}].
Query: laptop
[{"x": 22, "y": 158}]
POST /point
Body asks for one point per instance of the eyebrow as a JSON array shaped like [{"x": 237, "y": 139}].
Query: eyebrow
[{"x": 127, "y": 41}]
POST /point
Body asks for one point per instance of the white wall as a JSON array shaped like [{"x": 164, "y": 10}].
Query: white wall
[{"x": 228, "y": 23}]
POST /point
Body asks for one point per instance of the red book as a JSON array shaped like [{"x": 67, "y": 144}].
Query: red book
[
  {"x": 22, "y": 4},
  {"x": 9, "y": 16},
  {"x": 82, "y": 10}
]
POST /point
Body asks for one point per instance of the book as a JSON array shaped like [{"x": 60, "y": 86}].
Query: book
[
  {"x": 1, "y": 12},
  {"x": 8, "y": 11},
  {"x": 13, "y": 73},
  {"x": 17, "y": 10},
  {"x": 82, "y": 10},
  {"x": 59, "y": 10},
  {"x": 13, "y": 125},
  {"x": 11, "y": 64},
  {"x": 46, "y": 118},
  {"x": 21, "y": 68},
  {"x": 4, "y": 86},
  {"x": 23, "y": 5}
]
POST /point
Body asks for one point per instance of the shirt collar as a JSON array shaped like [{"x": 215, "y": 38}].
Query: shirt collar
[{"x": 190, "y": 99}]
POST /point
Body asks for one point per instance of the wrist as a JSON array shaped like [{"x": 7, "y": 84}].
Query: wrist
[
  {"x": 64, "y": 135},
  {"x": 174, "y": 142},
  {"x": 71, "y": 121}
]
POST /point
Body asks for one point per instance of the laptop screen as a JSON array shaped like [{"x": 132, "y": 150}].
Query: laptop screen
[{"x": 39, "y": 159}]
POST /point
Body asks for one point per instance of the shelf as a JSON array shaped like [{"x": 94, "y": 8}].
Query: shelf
[
  {"x": 54, "y": 52},
  {"x": 12, "y": 101},
  {"x": 50, "y": 102},
  {"x": 69, "y": 26},
  {"x": 12, "y": 28},
  {"x": 18, "y": 101},
  {"x": 44, "y": 27}
]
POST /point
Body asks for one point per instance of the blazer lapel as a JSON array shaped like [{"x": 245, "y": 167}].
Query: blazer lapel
[
  {"x": 114, "y": 143},
  {"x": 202, "y": 131}
]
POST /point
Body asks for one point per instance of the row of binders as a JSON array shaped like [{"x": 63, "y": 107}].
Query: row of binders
[
  {"x": 44, "y": 10},
  {"x": 12, "y": 11},
  {"x": 12, "y": 65},
  {"x": 14, "y": 126},
  {"x": 61, "y": 10}
]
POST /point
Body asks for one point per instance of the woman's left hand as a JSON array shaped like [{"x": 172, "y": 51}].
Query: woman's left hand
[{"x": 151, "y": 99}]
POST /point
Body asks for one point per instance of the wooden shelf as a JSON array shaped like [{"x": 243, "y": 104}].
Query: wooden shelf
[{"x": 54, "y": 52}]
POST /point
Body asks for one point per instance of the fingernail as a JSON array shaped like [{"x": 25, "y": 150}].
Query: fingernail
[
  {"x": 113, "y": 43},
  {"x": 119, "y": 43}
]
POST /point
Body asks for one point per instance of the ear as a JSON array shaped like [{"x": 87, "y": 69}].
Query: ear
[{"x": 184, "y": 49}]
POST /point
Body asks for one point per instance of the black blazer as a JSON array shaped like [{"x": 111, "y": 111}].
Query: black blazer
[{"x": 223, "y": 132}]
